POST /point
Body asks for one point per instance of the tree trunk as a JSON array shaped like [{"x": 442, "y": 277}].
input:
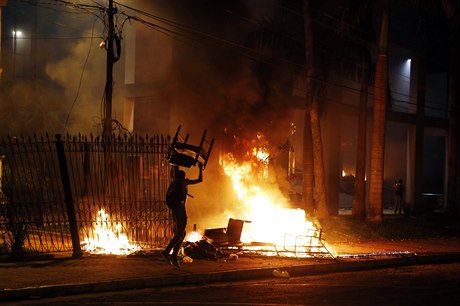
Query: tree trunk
[
  {"x": 312, "y": 104},
  {"x": 318, "y": 163},
  {"x": 307, "y": 166},
  {"x": 375, "y": 212},
  {"x": 359, "y": 207}
]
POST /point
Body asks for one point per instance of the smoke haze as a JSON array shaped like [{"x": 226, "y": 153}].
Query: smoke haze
[{"x": 204, "y": 76}]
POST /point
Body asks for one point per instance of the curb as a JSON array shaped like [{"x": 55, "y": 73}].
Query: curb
[{"x": 225, "y": 276}]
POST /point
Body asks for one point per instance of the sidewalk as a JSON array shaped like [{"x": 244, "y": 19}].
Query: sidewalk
[{"x": 63, "y": 275}]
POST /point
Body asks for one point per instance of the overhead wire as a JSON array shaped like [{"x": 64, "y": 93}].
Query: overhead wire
[
  {"x": 194, "y": 31},
  {"x": 78, "y": 8},
  {"x": 77, "y": 94},
  {"x": 183, "y": 31}
]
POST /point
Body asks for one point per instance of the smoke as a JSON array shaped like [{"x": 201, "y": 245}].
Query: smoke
[
  {"x": 81, "y": 75},
  {"x": 53, "y": 79},
  {"x": 211, "y": 84},
  {"x": 204, "y": 78}
]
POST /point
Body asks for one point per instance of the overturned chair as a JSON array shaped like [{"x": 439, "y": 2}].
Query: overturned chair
[
  {"x": 181, "y": 153},
  {"x": 227, "y": 237},
  {"x": 310, "y": 244}
]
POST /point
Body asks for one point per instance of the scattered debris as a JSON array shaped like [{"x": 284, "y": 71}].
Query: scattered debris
[
  {"x": 280, "y": 273},
  {"x": 201, "y": 249},
  {"x": 233, "y": 257}
]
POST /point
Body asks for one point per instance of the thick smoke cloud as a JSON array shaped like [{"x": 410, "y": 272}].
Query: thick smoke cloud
[
  {"x": 216, "y": 87},
  {"x": 54, "y": 76},
  {"x": 205, "y": 75},
  {"x": 210, "y": 83}
]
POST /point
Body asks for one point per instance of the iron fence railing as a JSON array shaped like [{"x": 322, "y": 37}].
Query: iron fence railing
[{"x": 53, "y": 190}]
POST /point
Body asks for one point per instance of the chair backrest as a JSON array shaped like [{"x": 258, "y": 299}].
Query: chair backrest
[{"x": 234, "y": 230}]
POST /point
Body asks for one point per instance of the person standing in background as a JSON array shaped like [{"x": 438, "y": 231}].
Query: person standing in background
[{"x": 399, "y": 189}]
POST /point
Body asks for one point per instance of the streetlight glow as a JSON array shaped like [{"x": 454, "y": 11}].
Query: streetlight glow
[
  {"x": 17, "y": 34},
  {"x": 406, "y": 68}
]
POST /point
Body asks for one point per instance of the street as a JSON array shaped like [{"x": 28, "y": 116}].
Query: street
[{"x": 408, "y": 285}]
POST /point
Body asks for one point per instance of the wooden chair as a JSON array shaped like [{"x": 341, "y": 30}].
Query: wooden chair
[{"x": 182, "y": 153}]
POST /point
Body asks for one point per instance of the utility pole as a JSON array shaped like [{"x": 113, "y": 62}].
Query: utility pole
[{"x": 109, "y": 76}]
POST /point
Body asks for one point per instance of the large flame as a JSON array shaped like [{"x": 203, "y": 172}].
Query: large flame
[
  {"x": 262, "y": 203},
  {"x": 108, "y": 238}
]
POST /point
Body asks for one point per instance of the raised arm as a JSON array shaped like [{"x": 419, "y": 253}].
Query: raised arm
[{"x": 199, "y": 179}]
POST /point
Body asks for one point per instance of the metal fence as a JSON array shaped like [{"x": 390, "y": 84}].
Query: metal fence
[{"x": 53, "y": 190}]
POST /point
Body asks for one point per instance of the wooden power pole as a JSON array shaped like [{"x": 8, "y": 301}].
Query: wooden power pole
[{"x": 107, "y": 132}]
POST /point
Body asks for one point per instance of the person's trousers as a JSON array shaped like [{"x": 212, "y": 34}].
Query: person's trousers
[{"x": 180, "y": 222}]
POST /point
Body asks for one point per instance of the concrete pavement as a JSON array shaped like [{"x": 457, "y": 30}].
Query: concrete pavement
[{"x": 63, "y": 275}]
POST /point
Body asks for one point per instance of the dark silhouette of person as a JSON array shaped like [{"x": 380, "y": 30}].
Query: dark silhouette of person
[
  {"x": 399, "y": 196},
  {"x": 179, "y": 215}
]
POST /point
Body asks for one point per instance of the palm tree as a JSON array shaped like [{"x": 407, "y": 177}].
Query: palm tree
[
  {"x": 279, "y": 41},
  {"x": 312, "y": 117},
  {"x": 307, "y": 164},
  {"x": 364, "y": 76},
  {"x": 352, "y": 39},
  {"x": 359, "y": 207},
  {"x": 375, "y": 211}
]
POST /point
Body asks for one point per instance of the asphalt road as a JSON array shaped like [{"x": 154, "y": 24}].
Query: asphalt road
[{"x": 408, "y": 285}]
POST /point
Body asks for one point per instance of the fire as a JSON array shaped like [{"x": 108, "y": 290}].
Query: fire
[
  {"x": 108, "y": 238},
  {"x": 267, "y": 209},
  {"x": 193, "y": 236}
]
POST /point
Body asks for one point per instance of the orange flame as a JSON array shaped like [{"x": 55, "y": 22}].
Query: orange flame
[
  {"x": 264, "y": 205},
  {"x": 108, "y": 238}
]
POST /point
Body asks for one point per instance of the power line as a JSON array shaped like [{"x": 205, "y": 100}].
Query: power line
[
  {"x": 157, "y": 27},
  {"x": 75, "y": 8},
  {"x": 202, "y": 37},
  {"x": 81, "y": 79}
]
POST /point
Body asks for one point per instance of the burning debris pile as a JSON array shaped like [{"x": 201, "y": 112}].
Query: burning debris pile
[
  {"x": 108, "y": 238},
  {"x": 271, "y": 226},
  {"x": 262, "y": 221}
]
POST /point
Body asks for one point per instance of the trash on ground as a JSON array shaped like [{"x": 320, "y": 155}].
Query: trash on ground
[
  {"x": 233, "y": 257},
  {"x": 280, "y": 273},
  {"x": 201, "y": 249}
]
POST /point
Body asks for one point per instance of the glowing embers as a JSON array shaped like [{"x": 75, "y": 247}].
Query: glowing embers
[{"x": 108, "y": 238}]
